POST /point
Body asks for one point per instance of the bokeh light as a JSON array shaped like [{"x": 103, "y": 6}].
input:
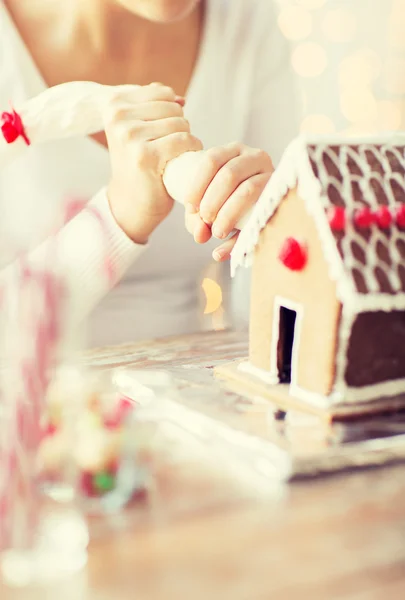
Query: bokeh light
[
  {"x": 394, "y": 75},
  {"x": 396, "y": 25},
  {"x": 318, "y": 125},
  {"x": 309, "y": 59},
  {"x": 389, "y": 115},
  {"x": 358, "y": 105},
  {"x": 295, "y": 23},
  {"x": 356, "y": 131},
  {"x": 213, "y": 295},
  {"x": 339, "y": 25},
  {"x": 350, "y": 66},
  {"x": 311, "y": 4},
  {"x": 360, "y": 69}
]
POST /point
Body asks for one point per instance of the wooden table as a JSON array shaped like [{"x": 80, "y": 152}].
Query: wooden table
[{"x": 340, "y": 537}]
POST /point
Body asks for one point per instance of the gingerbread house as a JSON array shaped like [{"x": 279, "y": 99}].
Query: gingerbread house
[{"x": 326, "y": 242}]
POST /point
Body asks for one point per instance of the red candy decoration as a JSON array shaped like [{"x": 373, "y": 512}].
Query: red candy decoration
[
  {"x": 293, "y": 254},
  {"x": 364, "y": 218},
  {"x": 400, "y": 216},
  {"x": 337, "y": 218},
  {"x": 383, "y": 217},
  {"x": 12, "y": 128}
]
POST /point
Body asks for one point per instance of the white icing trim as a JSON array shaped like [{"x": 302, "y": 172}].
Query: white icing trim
[
  {"x": 283, "y": 179},
  {"x": 295, "y": 171},
  {"x": 348, "y": 396},
  {"x": 340, "y": 388},
  {"x": 310, "y": 398},
  {"x": 386, "y": 389},
  {"x": 344, "y": 331},
  {"x": 279, "y": 303},
  {"x": 341, "y": 393},
  {"x": 393, "y": 138},
  {"x": 295, "y": 391},
  {"x": 275, "y": 337},
  {"x": 266, "y": 376},
  {"x": 376, "y": 302}
]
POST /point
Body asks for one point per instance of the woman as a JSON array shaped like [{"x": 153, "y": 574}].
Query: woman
[{"x": 228, "y": 60}]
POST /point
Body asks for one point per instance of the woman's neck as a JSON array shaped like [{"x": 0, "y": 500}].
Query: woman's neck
[
  {"x": 113, "y": 28},
  {"x": 138, "y": 50},
  {"x": 103, "y": 23},
  {"x": 101, "y": 41}
]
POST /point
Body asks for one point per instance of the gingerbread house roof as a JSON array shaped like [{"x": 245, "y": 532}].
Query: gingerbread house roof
[{"x": 361, "y": 181}]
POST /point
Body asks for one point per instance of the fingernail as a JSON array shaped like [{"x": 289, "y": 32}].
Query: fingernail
[
  {"x": 191, "y": 209},
  {"x": 217, "y": 233},
  {"x": 218, "y": 254}
]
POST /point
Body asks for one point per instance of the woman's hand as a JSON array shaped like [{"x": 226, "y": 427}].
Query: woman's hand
[
  {"x": 145, "y": 129},
  {"x": 230, "y": 182}
]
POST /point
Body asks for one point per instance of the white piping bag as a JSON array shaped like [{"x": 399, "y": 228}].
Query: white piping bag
[{"x": 76, "y": 109}]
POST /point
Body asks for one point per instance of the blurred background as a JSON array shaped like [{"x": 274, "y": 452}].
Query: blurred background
[{"x": 349, "y": 60}]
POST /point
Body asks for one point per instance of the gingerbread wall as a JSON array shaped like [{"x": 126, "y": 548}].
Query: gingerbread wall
[{"x": 311, "y": 288}]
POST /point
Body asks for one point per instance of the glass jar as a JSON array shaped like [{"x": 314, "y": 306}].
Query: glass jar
[{"x": 43, "y": 537}]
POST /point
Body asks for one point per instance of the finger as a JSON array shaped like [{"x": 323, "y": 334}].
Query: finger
[
  {"x": 134, "y": 93},
  {"x": 154, "y": 130},
  {"x": 214, "y": 160},
  {"x": 158, "y": 109},
  {"x": 223, "y": 252},
  {"x": 244, "y": 197},
  {"x": 179, "y": 99},
  {"x": 157, "y": 92},
  {"x": 227, "y": 180},
  {"x": 200, "y": 231},
  {"x": 171, "y": 146},
  {"x": 143, "y": 93},
  {"x": 148, "y": 111}
]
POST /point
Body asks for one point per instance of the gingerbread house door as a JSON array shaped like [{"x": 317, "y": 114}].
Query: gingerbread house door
[{"x": 284, "y": 351}]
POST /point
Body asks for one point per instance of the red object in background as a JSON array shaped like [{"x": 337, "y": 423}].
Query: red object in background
[
  {"x": 73, "y": 208},
  {"x": 50, "y": 430},
  {"x": 293, "y": 254},
  {"x": 86, "y": 485},
  {"x": 12, "y": 127},
  {"x": 400, "y": 216},
  {"x": 383, "y": 217},
  {"x": 364, "y": 218},
  {"x": 118, "y": 415},
  {"x": 88, "y": 481},
  {"x": 337, "y": 218}
]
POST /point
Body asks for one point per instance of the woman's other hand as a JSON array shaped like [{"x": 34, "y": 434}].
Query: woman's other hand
[
  {"x": 228, "y": 184},
  {"x": 145, "y": 129}
]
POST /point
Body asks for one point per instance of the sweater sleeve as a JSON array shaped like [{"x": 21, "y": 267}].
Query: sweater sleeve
[{"x": 79, "y": 251}]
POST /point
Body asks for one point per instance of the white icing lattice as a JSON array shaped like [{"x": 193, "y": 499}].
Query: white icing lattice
[{"x": 376, "y": 166}]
